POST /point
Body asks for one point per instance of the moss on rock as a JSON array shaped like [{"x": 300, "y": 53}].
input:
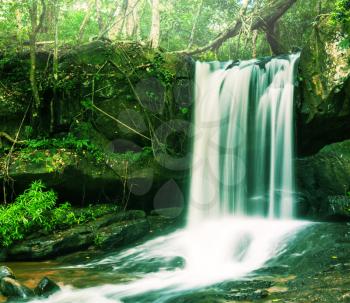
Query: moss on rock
[{"x": 324, "y": 110}]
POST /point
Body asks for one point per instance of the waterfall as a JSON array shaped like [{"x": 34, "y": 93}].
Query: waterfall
[
  {"x": 241, "y": 193},
  {"x": 244, "y": 141}
]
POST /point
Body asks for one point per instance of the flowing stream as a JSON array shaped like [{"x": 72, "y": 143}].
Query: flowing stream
[{"x": 241, "y": 202}]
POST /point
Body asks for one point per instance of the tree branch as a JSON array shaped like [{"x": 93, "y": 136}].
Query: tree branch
[
  {"x": 10, "y": 139},
  {"x": 265, "y": 16}
]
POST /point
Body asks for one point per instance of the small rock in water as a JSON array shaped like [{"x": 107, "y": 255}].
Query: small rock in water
[
  {"x": 14, "y": 290},
  {"x": 6, "y": 272},
  {"x": 346, "y": 297},
  {"x": 46, "y": 287},
  {"x": 260, "y": 294}
]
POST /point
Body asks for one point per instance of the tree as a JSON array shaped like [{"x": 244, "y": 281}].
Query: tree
[
  {"x": 266, "y": 16},
  {"x": 36, "y": 25},
  {"x": 126, "y": 20},
  {"x": 155, "y": 28},
  {"x": 85, "y": 20},
  {"x": 195, "y": 23}
]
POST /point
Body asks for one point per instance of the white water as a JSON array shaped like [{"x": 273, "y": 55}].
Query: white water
[
  {"x": 243, "y": 149},
  {"x": 242, "y": 185}
]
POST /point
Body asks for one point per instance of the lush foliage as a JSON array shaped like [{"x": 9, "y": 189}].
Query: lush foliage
[
  {"x": 28, "y": 211},
  {"x": 341, "y": 16},
  {"x": 183, "y": 23},
  {"x": 132, "y": 157},
  {"x": 342, "y": 11},
  {"x": 54, "y": 144},
  {"x": 36, "y": 209}
]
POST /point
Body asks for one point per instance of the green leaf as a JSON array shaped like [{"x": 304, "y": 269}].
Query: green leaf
[{"x": 184, "y": 110}]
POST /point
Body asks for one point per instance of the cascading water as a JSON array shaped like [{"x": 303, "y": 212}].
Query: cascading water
[
  {"x": 244, "y": 140},
  {"x": 241, "y": 193}
]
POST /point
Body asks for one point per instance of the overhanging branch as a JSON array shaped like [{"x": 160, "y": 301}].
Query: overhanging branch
[{"x": 265, "y": 16}]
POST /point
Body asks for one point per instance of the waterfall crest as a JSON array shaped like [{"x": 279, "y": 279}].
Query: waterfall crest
[{"x": 243, "y": 146}]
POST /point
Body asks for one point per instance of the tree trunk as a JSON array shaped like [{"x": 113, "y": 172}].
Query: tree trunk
[
  {"x": 119, "y": 19},
  {"x": 272, "y": 39},
  {"x": 32, "y": 76},
  {"x": 48, "y": 22},
  {"x": 199, "y": 11},
  {"x": 266, "y": 15},
  {"x": 155, "y": 28},
  {"x": 85, "y": 22},
  {"x": 35, "y": 28},
  {"x": 19, "y": 24},
  {"x": 254, "y": 40},
  {"x": 99, "y": 15},
  {"x": 55, "y": 101},
  {"x": 131, "y": 23}
]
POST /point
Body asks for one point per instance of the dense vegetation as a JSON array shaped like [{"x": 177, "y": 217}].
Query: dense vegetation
[
  {"x": 36, "y": 209},
  {"x": 174, "y": 25}
]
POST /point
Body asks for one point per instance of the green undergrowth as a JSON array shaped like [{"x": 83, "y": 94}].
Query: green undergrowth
[
  {"x": 56, "y": 152},
  {"x": 133, "y": 157},
  {"x": 67, "y": 142},
  {"x": 37, "y": 209},
  {"x": 341, "y": 16}
]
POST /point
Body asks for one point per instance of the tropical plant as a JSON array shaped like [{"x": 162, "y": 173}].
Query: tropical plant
[
  {"x": 36, "y": 209},
  {"x": 29, "y": 210}
]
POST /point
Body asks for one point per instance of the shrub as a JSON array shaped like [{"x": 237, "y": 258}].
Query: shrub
[
  {"x": 29, "y": 210},
  {"x": 36, "y": 209}
]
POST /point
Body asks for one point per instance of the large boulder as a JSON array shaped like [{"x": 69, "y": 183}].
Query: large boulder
[
  {"x": 13, "y": 290},
  {"x": 6, "y": 272},
  {"x": 324, "y": 107},
  {"x": 323, "y": 176},
  {"x": 109, "y": 231}
]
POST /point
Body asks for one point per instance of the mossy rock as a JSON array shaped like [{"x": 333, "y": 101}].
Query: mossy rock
[
  {"x": 324, "y": 175},
  {"x": 324, "y": 110}
]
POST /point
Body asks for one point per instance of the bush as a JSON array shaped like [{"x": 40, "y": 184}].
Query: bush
[
  {"x": 35, "y": 209},
  {"x": 29, "y": 210}
]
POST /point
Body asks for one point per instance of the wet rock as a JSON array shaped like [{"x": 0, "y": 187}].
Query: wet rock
[
  {"x": 346, "y": 297},
  {"x": 6, "y": 272},
  {"x": 249, "y": 284},
  {"x": 46, "y": 287},
  {"x": 248, "y": 295},
  {"x": 202, "y": 297},
  {"x": 339, "y": 206},
  {"x": 12, "y": 289},
  {"x": 228, "y": 292},
  {"x": 245, "y": 290},
  {"x": 324, "y": 175},
  {"x": 46, "y": 247},
  {"x": 118, "y": 234},
  {"x": 109, "y": 231},
  {"x": 171, "y": 212}
]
